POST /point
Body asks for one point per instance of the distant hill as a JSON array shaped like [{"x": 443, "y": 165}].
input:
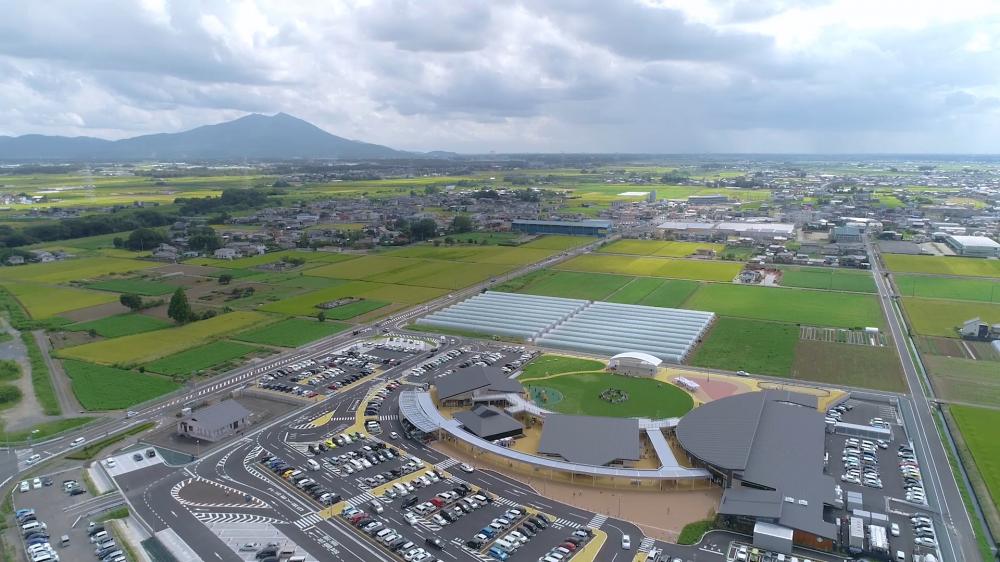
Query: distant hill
[{"x": 254, "y": 136}]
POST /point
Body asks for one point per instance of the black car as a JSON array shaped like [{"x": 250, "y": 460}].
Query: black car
[
  {"x": 409, "y": 501},
  {"x": 434, "y": 542}
]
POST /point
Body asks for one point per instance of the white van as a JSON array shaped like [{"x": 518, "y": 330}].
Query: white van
[
  {"x": 33, "y": 526},
  {"x": 312, "y": 464},
  {"x": 99, "y": 537},
  {"x": 900, "y": 556},
  {"x": 400, "y": 489}
]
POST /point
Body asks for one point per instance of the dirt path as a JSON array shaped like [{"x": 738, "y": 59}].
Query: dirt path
[
  {"x": 61, "y": 382},
  {"x": 27, "y": 412}
]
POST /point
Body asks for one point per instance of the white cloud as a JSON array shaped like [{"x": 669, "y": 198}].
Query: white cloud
[{"x": 512, "y": 75}]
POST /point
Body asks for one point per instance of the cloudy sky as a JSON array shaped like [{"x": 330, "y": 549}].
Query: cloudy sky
[{"x": 509, "y": 76}]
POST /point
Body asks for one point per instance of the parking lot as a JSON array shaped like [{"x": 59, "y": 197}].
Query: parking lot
[
  {"x": 325, "y": 375},
  {"x": 880, "y": 484}
]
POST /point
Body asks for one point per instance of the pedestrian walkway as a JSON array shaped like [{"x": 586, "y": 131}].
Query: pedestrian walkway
[
  {"x": 597, "y": 521},
  {"x": 647, "y": 544},
  {"x": 308, "y": 521},
  {"x": 447, "y": 463}
]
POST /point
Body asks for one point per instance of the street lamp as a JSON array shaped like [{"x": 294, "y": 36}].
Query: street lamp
[{"x": 30, "y": 435}]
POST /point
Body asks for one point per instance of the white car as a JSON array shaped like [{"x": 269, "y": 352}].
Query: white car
[
  {"x": 465, "y": 468},
  {"x": 77, "y": 441},
  {"x": 626, "y": 542},
  {"x": 34, "y": 458},
  {"x": 393, "y": 435},
  {"x": 36, "y": 483},
  {"x": 110, "y": 462},
  {"x": 894, "y": 529}
]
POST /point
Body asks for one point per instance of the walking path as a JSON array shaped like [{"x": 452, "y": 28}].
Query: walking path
[
  {"x": 60, "y": 380},
  {"x": 27, "y": 412}
]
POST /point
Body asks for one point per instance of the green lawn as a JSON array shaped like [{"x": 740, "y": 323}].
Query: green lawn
[
  {"x": 107, "y": 388},
  {"x": 292, "y": 332},
  {"x": 797, "y": 306},
  {"x": 979, "y": 428},
  {"x": 960, "y": 288},
  {"x": 566, "y": 284},
  {"x": 200, "y": 358},
  {"x": 121, "y": 325},
  {"x": 828, "y": 278},
  {"x": 932, "y": 317},
  {"x": 138, "y": 286},
  {"x": 738, "y": 344},
  {"x": 545, "y": 365},
  {"x": 580, "y": 394},
  {"x": 942, "y": 265}
]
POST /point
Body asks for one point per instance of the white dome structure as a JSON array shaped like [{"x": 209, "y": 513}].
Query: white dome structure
[{"x": 635, "y": 363}]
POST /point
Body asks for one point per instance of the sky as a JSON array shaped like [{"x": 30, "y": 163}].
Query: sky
[{"x": 474, "y": 76}]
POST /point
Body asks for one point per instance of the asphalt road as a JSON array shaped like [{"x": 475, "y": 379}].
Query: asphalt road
[{"x": 960, "y": 541}]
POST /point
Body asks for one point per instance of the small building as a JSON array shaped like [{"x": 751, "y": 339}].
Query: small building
[
  {"x": 214, "y": 423},
  {"x": 846, "y": 234},
  {"x": 489, "y": 423},
  {"x": 225, "y": 254},
  {"x": 593, "y": 227},
  {"x": 475, "y": 384},
  {"x": 973, "y": 246},
  {"x": 975, "y": 329},
  {"x": 707, "y": 200},
  {"x": 635, "y": 363},
  {"x": 15, "y": 260}
]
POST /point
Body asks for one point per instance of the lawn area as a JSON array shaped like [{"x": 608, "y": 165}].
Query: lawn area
[
  {"x": 662, "y": 248},
  {"x": 738, "y": 344},
  {"x": 965, "y": 380},
  {"x": 44, "y": 301},
  {"x": 942, "y": 265},
  {"x": 852, "y": 365},
  {"x": 558, "y": 242},
  {"x": 545, "y": 365},
  {"x": 121, "y": 325},
  {"x": 703, "y": 270},
  {"x": 106, "y": 388},
  {"x": 200, "y": 358},
  {"x": 828, "y": 279},
  {"x": 932, "y": 317},
  {"x": 979, "y": 429},
  {"x": 581, "y": 394},
  {"x": 137, "y": 286},
  {"x": 797, "y": 306},
  {"x": 566, "y": 284},
  {"x": 143, "y": 348},
  {"x": 292, "y": 332},
  {"x": 959, "y": 288},
  {"x": 353, "y": 309},
  {"x": 76, "y": 269}
]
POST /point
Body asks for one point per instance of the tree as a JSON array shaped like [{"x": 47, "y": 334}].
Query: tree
[
  {"x": 131, "y": 300},
  {"x": 204, "y": 238},
  {"x": 118, "y": 241},
  {"x": 321, "y": 316},
  {"x": 225, "y": 279},
  {"x": 423, "y": 229},
  {"x": 461, "y": 223},
  {"x": 179, "y": 309},
  {"x": 142, "y": 239}
]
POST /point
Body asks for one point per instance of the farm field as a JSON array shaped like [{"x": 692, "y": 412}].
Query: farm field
[
  {"x": 360, "y": 268},
  {"x": 142, "y": 287},
  {"x": 965, "y": 380},
  {"x": 942, "y": 265},
  {"x": 565, "y": 284},
  {"x": 852, "y": 365},
  {"x": 650, "y": 291},
  {"x": 702, "y": 270},
  {"x": 76, "y": 269},
  {"x": 797, "y": 306},
  {"x": 253, "y": 261},
  {"x": 952, "y": 347},
  {"x": 558, "y": 242},
  {"x": 478, "y": 237},
  {"x": 738, "y": 344},
  {"x": 143, "y": 348},
  {"x": 934, "y": 317},
  {"x": 832, "y": 279},
  {"x": 305, "y": 305},
  {"x": 580, "y": 393},
  {"x": 42, "y": 301},
  {"x": 442, "y": 274},
  {"x": 348, "y": 311},
  {"x": 292, "y": 332},
  {"x": 501, "y": 255},
  {"x": 958, "y": 288},
  {"x": 120, "y": 325},
  {"x": 659, "y": 248},
  {"x": 200, "y": 358},
  {"x": 106, "y": 388},
  {"x": 545, "y": 365},
  {"x": 978, "y": 427}
]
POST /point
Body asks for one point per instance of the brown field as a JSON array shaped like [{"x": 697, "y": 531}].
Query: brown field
[
  {"x": 95, "y": 312},
  {"x": 965, "y": 380},
  {"x": 850, "y": 365},
  {"x": 952, "y": 347},
  {"x": 69, "y": 339}
]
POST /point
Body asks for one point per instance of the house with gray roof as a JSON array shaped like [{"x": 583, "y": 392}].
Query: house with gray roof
[
  {"x": 215, "y": 422},
  {"x": 475, "y": 384}
]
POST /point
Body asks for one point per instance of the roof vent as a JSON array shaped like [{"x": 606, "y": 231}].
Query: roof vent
[
  {"x": 803, "y": 502},
  {"x": 789, "y": 499}
]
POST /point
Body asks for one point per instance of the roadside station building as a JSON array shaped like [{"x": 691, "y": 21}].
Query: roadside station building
[{"x": 214, "y": 423}]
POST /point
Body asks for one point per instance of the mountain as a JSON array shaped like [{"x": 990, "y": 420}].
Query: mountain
[{"x": 255, "y": 136}]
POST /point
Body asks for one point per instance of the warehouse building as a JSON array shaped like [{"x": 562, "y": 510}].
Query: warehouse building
[
  {"x": 592, "y": 227},
  {"x": 846, "y": 234},
  {"x": 591, "y": 440},
  {"x": 973, "y": 246},
  {"x": 699, "y": 200},
  {"x": 635, "y": 363},
  {"x": 489, "y": 423},
  {"x": 721, "y": 231},
  {"x": 767, "y": 449}
]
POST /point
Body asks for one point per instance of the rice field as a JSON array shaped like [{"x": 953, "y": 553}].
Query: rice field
[
  {"x": 292, "y": 332},
  {"x": 979, "y": 429},
  {"x": 958, "y": 288},
  {"x": 661, "y": 248},
  {"x": 200, "y": 358},
  {"x": 120, "y": 325},
  {"x": 142, "y": 287},
  {"x": 649, "y": 291},
  {"x": 698, "y": 270},
  {"x": 254, "y": 261},
  {"x": 149, "y": 346},
  {"x": 943, "y": 265},
  {"x": 828, "y": 278},
  {"x": 75, "y": 269},
  {"x": 566, "y": 284},
  {"x": 557, "y": 242},
  {"x": 42, "y": 301},
  {"x": 935, "y": 317},
  {"x": 98, "y": 387},
  {"x": 305, "y": 305},
  {"x": 796, "y": 306},
  {"x": 738, "y": 344},
  {"x": 965, "y": 380}
]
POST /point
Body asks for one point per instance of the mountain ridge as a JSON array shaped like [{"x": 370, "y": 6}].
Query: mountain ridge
[{"x": 254, "y": 136}]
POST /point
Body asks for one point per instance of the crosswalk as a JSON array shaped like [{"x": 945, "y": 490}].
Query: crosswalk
[
  {"x": 561, "y": 523},
  {"x": 210, "y": 517},
  {"x": 361, "y": 499},
  {"x": 447, "y": 463},
  {"x": 308, "y": 521},
  {"x": 647, "y": 544},
  {"x": 388, "y": 417},
  {"x": 597, "y": 521}
]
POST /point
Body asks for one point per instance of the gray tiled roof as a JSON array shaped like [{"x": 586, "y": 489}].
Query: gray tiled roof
[
  {"x": 487, "y": 421},
  {"x": 473, "y": 378},
  {"x": 590, "y": 440},
  {"x": 219, "y": 415}
]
